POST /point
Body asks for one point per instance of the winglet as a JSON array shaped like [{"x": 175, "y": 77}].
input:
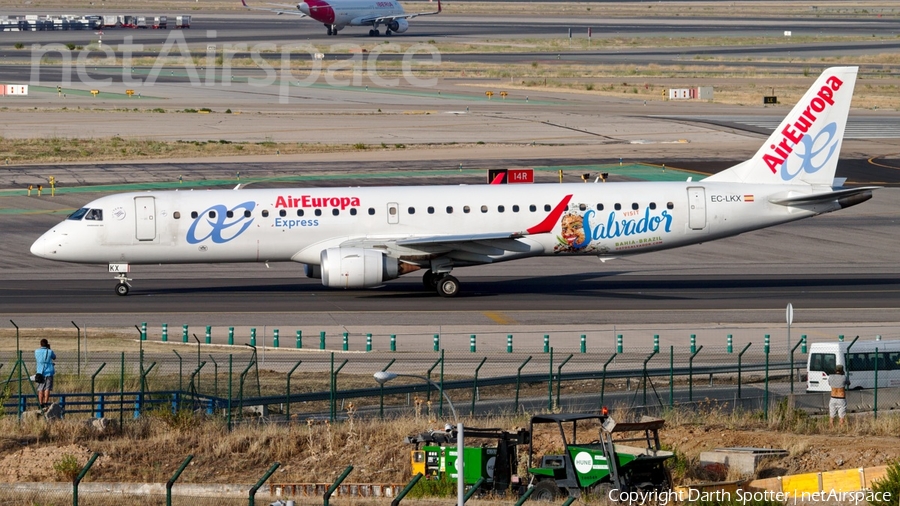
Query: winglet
[
  {"x": 498, "y": 179},
  {"x": 439, "y": 6},
  {"x": 547, "y": 225},
  {"x": 244, "y": 3}
]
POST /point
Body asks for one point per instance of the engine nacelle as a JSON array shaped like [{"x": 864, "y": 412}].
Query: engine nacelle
[
  {"x": 399, "y": 25},
  {"x": 356, "y": 267}
]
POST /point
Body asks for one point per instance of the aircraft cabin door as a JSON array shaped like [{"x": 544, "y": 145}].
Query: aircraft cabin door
[
  {"x": 393, "y": 213},
  {"x": 145, "y": 218},
  {"x": 696, "y": 208}
]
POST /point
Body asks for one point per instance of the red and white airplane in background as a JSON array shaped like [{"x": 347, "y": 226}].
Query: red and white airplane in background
[
  {"x": 359, "y": 237},
  {"x": 336, "y": 14}
]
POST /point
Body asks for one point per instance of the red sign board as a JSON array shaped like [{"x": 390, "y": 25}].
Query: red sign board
[{"x": 514, "y": 176}]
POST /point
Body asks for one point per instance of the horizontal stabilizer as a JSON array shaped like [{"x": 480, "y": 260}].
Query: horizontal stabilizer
[{"x": 845, "y": 198}]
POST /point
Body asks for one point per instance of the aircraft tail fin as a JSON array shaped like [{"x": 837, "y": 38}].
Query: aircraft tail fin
[{"x": 805, "y": 147}]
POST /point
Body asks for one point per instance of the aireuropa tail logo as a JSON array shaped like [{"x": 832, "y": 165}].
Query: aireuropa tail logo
[
  {"x": 220, "y": 223},
  {"x": 816, "y": 150}
]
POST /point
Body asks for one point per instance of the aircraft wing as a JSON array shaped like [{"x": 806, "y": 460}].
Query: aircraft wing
[
  {"x": 388, "y": 19},
  {"x": 293, "y": 9}
]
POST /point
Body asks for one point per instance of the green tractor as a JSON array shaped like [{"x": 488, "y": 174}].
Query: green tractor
[{"x": 601, "y": 465}]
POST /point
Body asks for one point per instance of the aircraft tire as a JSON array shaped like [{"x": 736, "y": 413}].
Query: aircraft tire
[
  {"x": 430, "y": 279},
  {"x": 377, "y": 33},
  {"x": 371, "y": 33},
  {"x": 448, "y": 286},
  {"x": 122, "y": 289},
  {"x": 387, "y": 33}
]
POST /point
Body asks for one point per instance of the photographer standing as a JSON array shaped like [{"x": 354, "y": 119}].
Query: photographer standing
[
  {"x": 44, "y": 358},
  {"x": 837, "y": 406}
]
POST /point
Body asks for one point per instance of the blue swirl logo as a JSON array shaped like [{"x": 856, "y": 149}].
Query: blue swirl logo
[
  {"x": 814, "y": 153},
  {"x": 214, "y": 223}
]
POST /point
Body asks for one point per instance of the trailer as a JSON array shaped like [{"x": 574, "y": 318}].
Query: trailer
[
  {"x": 159, "y": 22},
  {"x": 182, "y": 21},
  {"x": 141, "y": 22},
  {"x": 112, "y": 21}
]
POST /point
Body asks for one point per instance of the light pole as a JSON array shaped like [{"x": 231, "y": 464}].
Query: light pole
[{"x": 383, "y": 377}]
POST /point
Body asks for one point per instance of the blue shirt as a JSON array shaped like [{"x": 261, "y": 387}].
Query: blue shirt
[{"x": 44, "y": 358}]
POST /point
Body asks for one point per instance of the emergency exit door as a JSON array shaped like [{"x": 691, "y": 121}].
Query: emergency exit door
[
  {"x": 696, "y": 208},
  {"x": 145, "y": 218}
]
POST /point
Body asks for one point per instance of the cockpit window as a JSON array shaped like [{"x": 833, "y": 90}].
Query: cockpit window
[
  {"x": 94, "y": 215},
  {"x": 77, "y": 215}
]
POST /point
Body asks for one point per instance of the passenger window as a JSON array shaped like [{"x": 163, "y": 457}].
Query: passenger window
[
  {"x": 515, "y": 210},
  {"x": 484, "y": 209},
  {"x": 371, "y": 211},
  {"x": 547, "y": 207},
  {"x": 581, "y": 207},
  {"x": 532, "y": 208},
  {"x": 265, "y": 213},
  {"x": 335, "y": 211},
  {"x": 94, "y": 215},
  {"x": 353, "y": 213},
  {"x": 318, "y": 212},
  {"x": 500, "y": 209},
  {"x": 212, "y": 214},
  {"x": 599, "y": 207},
  {"x": 652, "y": 207},
  {"x": 281, "y": 213},
  {"x": 411, "y": 210},
  {"x": 176, "y": 215},
  {"x": 670, "y": 205},
  {"x": 431, "y": 211},
  {"x": 466, "y": 209},
  {"x": 77, "y": 215},
  {"x": 449, "y": 209},
  {"x": 194, "y": 214},
  {"x": 635, "y": 206},
  {"x": 246, "y": 214},
  {"x": 300, "y": 213},
  {"x": 230, "y": 214},
  {"x": 618, "y": 207}
]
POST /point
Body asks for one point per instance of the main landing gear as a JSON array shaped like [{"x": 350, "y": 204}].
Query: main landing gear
[
  {"x": 332, "y": 29},
  {"x": 445, "y": 284},
  {"x": 374, "y": 33},
  {"x": 123, "y": 287}
]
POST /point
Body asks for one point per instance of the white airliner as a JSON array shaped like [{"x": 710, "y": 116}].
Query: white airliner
[
  {"x": 362, "y": 237},
  {"x": 336, "y": 14}
]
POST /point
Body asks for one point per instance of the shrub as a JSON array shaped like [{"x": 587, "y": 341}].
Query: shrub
[
  {"x": 442, "y": 487},
  {"x": 360, "y": 145},
  {"x": 889, "y": 486},
  {"x": 67, "y": 467},
  {"x": 70, "y": 46},
  {"x": 19, "y": 45}
]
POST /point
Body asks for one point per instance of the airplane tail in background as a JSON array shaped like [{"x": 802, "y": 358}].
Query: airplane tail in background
[{"x": 805, "y": 147}]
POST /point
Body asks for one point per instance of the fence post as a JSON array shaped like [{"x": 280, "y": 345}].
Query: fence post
[
  {"x": 729, "y": 341},
  {"x": 231, "y": 336},
  {"x": 619, "y": 343},
  {"x": 299, "y": 339},
  {"x": 368, "y": 342},
  {"x": 381, "y": 386},
  {"x": 335, "y": 485},
  {"x": 437, "y": 342},
  {"x": 559, "y": 377},
  {"x": 393, "y": 342},
  {"x": 472, "y": 343},
  {"x": 334, "y": 373},
  {"x": 252, "y": 336},
  {"x": 691, "y": 375},
  {"x": 644, "y": 379},
  {"x": 345, "y": 344},
  {"x": 671, "y": 376},
  {"x": 656, "y": 343},
  {"x": 252, "y": 499},
  {"x": 740, "y": 355},
  {"x": 143, "y": 331},
  {"x": 546, "y": 343},
  {"x": 93, "y": 406},
  {"x": 208, "y": 334},
  {"x": 406, "y": 489},
  {"x": 509, "y": 344},
  {"x": 80, "y": 476},
  {"x": 803, "y": 346},
  {"x": 792, "y": 363},
  {"x": 165, "y": 332},
  {"x": 550, "y": 384},
  {"x": 518, "y": 377},
  {"x": 287, "y": 397},
  {"x": 322, "y": 340},
  {"x": 766, "y": 393},
  {"x": 184, "y": 333},
  {"x": 603, "y": 383},
  {"x": 174, "y": 478},
  {"x": 475, "y": 385},
  {"x": 275, "y": 336},
  {"x": 693, "y": 343},
  {"x": 583, "y": 343}
]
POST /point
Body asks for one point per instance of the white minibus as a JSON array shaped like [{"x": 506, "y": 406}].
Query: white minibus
[{"x": 859, "y": 364}]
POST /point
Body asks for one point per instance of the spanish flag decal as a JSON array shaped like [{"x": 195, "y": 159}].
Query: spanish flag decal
[{"x": 748, "y": 198}]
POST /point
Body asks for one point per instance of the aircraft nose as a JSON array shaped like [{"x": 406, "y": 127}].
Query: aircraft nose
[
  {"x": 303, "y": 7},
  {"x": 46, "y": 245}
]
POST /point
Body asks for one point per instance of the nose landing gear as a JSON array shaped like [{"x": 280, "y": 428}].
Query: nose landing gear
[{"x": 123, "y": 287}]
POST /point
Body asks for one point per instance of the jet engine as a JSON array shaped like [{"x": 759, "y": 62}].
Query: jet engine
[
  {"x": 356, "y": 267},
  {"x": 399, "y": 25}
]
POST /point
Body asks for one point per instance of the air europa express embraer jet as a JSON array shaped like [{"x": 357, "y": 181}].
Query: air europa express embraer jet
[
  {"x": 336, "y": 14},
  {"x": 362, "y": 237}
]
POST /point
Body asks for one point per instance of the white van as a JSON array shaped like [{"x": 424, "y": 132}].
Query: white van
[{"x": 859, "y": 364}]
